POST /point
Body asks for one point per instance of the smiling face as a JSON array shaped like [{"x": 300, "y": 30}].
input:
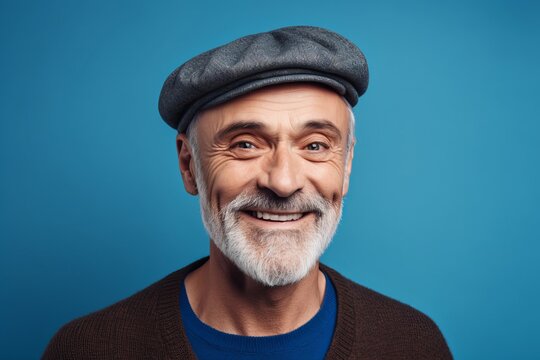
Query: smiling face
[{"x": 271, "y": 170}]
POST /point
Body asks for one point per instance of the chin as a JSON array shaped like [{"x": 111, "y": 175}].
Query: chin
[
  {"x": 272, "y": 253},
  {"x": 275, "y": 258}
]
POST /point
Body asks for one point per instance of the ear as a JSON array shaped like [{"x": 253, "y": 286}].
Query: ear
[
  {"x": 348, "y": 168},
  {"x": 186, "y": 163}
]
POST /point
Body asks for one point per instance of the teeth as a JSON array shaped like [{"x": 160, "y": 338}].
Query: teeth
[{"x": 277, "y": 217}]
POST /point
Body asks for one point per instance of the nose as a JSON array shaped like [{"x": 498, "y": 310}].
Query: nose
[{"x": 283, "y": 174}]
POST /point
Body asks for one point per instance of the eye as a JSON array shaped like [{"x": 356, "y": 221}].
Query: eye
[
  {"x": 316, "y": 146},
  {"x": 244, "y": 145}
]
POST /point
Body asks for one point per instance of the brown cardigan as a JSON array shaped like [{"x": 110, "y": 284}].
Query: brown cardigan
[{"x": 148, "y": 325}]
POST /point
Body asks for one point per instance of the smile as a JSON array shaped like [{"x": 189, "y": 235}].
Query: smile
[{"x": 276, "y": 217}]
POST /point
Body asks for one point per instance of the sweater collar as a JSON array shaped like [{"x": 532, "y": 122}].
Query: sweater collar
[{"x": 177, "y": 344}]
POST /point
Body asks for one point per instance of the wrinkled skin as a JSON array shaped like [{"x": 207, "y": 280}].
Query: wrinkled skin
[{"x": 292, "y": 140}]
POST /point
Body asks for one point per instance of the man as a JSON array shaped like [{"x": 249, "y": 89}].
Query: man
[{"x": 266, "y": 140}]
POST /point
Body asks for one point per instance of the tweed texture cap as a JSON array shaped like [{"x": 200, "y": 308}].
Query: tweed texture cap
[{"x": 285, "y": 55}]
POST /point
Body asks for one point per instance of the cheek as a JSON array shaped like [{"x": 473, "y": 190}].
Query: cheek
[
  {"x": 327, "y": 178},
  {"x": 227, "y": 178}
]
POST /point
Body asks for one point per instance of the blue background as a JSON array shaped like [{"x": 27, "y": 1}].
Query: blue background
[{"x": 443, "y": 210}]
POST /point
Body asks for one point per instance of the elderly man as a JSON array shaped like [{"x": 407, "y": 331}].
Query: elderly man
[{"x": 266, "y": 139}]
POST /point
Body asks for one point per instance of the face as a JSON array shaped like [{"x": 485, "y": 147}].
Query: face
[{"x": 271, "y": 170}]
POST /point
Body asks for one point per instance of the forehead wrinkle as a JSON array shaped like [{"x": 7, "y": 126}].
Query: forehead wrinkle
[{"x": 301, "y": 114}]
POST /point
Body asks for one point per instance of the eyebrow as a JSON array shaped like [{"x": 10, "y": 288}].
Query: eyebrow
[
  {"x": 239, "y": 125},
  {"x": 323, "y": 124},
  {"x": 319, "y": 124}
]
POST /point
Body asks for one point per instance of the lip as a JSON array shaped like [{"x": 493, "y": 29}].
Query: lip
[
  {"x": 306, "y": 217},
  {"x": 276, "y": 212}
]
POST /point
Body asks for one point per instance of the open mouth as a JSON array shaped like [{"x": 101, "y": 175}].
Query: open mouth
[{"x": 277, "y": 217}]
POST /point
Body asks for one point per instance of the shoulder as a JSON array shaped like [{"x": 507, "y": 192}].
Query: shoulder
[
  {"x": 96, "y": 335},
  {"x": 130, "y": 328},
  {"x": 384, "y": 325}
]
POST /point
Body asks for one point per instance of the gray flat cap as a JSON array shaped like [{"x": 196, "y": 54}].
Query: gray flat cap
[{"x": 285, "y": 55}]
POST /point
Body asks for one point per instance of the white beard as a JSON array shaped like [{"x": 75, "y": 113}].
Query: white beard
[{"x": 271, "y": 257}]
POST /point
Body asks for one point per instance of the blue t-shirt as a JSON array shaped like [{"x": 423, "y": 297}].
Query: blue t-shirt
[{"x": 310, "y": 341}]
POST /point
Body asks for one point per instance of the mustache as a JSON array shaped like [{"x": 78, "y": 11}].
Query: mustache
[{"x": 268, "y": 200}]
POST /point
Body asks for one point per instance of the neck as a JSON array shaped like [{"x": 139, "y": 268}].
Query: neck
[{"x": 228, "y": 300}]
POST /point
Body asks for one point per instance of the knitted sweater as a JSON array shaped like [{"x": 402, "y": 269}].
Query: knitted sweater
[{"x": 148, "y": 325}]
